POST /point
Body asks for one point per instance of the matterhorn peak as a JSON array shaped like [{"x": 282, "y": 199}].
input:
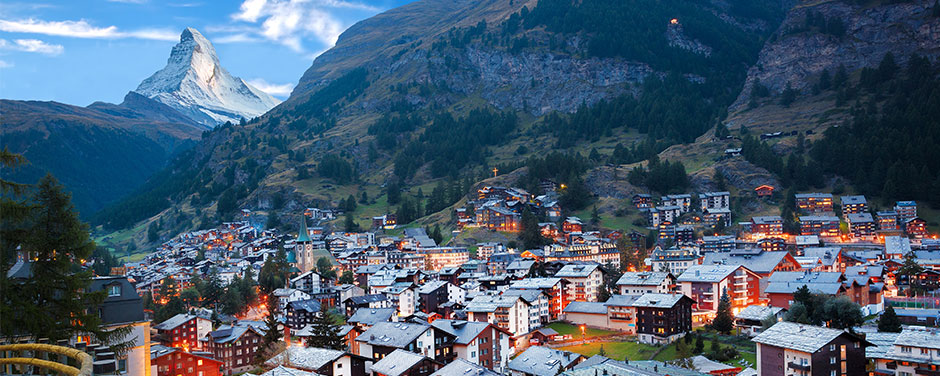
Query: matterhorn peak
[{"x": 194, "y": 83}]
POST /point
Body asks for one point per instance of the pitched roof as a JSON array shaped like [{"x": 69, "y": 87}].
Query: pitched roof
[
  {"x": 586, "y": 307},
  {"x": 707, "y": 273},
  {"x": 371, "y": 316},
  {"x": 460, "y": 367},
  {"x": 366, "y": 299},
  {"x": 927, "y": 338},
  {"x": 393, "y": 334},
  {"x": 490, "y": 303},
  {"x": 643, "y": 278},
  {"x": 174, "y": 321},
  {"x": 651, "y": 300},
  {"x": 397, "y": 362},
  {"x": 757, "y": 312},
  {"x": 800, "y": 337},
  {"x": 306, "y": 358},
  {"x": 465, "y": 331},
  {"x": 758, "y": 262},
  {"x": 577, "y": 270},
  {"x": 534, "y": 283},
  {"x": 309, "y": 305},
  {"x": 621, "y": 300},
  {"x": 542, "y": 361}
]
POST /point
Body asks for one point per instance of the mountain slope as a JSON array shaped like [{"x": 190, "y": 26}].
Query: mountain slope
[
  {"x": 195, "y": 84},
  {"x": 101, "y": 152},
  {"x": 439, "y": 90}
]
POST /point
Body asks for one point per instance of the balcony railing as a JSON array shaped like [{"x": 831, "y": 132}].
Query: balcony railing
[{"x": 20, "y": 358}]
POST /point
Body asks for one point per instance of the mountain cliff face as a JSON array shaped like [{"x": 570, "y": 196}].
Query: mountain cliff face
[
  {"x": 826, "y": 34},
  {"x": 100, "y": 152},
  {"x": 195, "y": 84}
]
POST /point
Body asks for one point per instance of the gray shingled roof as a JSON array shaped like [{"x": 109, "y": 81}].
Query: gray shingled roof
[
  {"x": 757, "y": 312},
  {"x": 800, "y": 337},
  {"x": 577, "y": 270},
  {"x": 927, "y": 338},
  {"x": 489, "y": 303},
  {"x": 397, "y": 362},
  {"x": 465, "y": 331},
  {"x": 707, "y": 273},
  {"x": 174, "y": 321},
  {"x": 393, "y": 334},
  {"x": 586, "y": 307},
  {"x": 371, "y": 316},
  {"x": 460, "y": 367},
  {"x": 542, "y": 361},
  {"x": 658, "y": 300},
  {"x": 530, "y": 296},
  {"x": 309, "y": 358},
  {"x": 643, "y": 278},
  {"x": 534, "y": 283},
  {"x": 621, "y": 300},
  {"x": 758, "y": 262}
]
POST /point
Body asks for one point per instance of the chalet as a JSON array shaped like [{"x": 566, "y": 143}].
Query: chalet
[
  {"x": 663, "y": 318},
  {"x": 707, "y": 283},
  {"x": 404, "y": 363},
  {"x": 888, "y": 220},
  {"x": 521, "y": 267},
  {"x": 499, "y": 219},
  {"x": 480, "y": 343},
  {"x": 173, "y": 361},
  {"x": 675, "y": 260},
  {"x": 287, "y": 295},
  {"x": 555, "y": 288},
  {"x": 402, "y": 296},
  {"x": 854, "y": 204},
  {"x": 684, "y": 235},
  {"x": 764, "y": 263},
  {"x": 661, "y": 214},
  {"x": 764, "y": 191},
  {"x": 365, "y": 318},
  {"x": 386, "y": 337},
  {"x": 355, "y": 303},
  {"x": 301, "y": 360},
  {"x": 718, "y": 243},
  {"x": 642, "y": 201},
  {"x": 572, "y": 225},
  {"x": 771, "y": 225},
  {"x": 797, "y": 349},
  {"x": 814, "y": 202},
  {"x": 820, "y": 225},
  {"x": 585, "y": 281},
  {"x": 431, "y": 295},
  {"x": 906, "y": 210},
  {"x": 914, "y": 351},
  {"x": 182, "y": 330},
  {"x": 782, "y": 285},
  {"x": 451, "y": 274},
  {"x": 638, "y": 283},
  {"x": 861, "y": 224},
  {"x": 300, "y": 313},
  {"x": 750, "y": 320},
  {"x": 508, "y": 312},
  {"x": 916, "y": 227},
  {"x": 682, "y": 201},
  {"x": 387, "y": 221},
  {"x": 830, "y": 258},
  {"x": 714, "y": 217},
  {"x": 543, "y": 361},
  {"x": 896, "y": 247},
  {"x": 773, "y": 244},
  {"x": 496, "y": 264},
  {"x": 235, "y": 345},
  {"x": 711, "y": 201},
  {"x": 310, "y": 283},
  {"x": 537, "y": 303},
  {"x": 485, "y": 250}
]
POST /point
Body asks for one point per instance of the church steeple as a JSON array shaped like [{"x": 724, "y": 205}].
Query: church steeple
[{"x": 303, "y": 236}]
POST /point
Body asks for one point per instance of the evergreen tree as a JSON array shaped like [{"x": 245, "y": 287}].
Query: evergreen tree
[
  {"x": 531, "y": 235},
  {"x": 699, "y": 345},
  {"x": 788, "y": 96},
  {"x": 350, "y": 224},
  {"x": 325, "y": 333},
  {"x": 595, "y": 216},
  {"x": 889, "y": 321},
  {"x": 272, "y": 335},
  {"x": 724, "y": 320},
  {"x": 325, "y": 268},
  {"x": 908, "y": 269},
  {"x": 347, "y": 278}
]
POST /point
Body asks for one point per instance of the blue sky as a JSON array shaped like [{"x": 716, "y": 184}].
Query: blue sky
[{"x": 81, "y": 51}]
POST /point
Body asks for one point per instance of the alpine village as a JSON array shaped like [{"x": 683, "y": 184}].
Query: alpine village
[{"x": 482, "y": 188}]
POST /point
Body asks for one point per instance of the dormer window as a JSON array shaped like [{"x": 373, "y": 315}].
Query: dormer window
[{"x": 114, "y": 290}]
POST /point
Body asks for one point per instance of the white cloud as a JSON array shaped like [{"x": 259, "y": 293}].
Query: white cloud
[
  {"x": 5, "y": 64},
  {"x": 273, "y": 89},
  {"x": 81, "y": 29},
  {"x": 32, "y": 45},
  {"x": 289, "y": 21},
  {"x": 235, "y": 38}
]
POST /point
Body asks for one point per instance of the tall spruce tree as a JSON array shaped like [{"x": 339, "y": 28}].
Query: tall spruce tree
[
  {"x": 325, "y": 333},
  {"x": 889, "y": 321},
  {"x": 724, "y": 321}
]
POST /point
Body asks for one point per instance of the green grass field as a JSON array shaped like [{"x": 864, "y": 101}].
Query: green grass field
[
  {"x": 614, "y": 350},
  {"x": 747, "y": 353},
  {"x": 575, "y": 331}
]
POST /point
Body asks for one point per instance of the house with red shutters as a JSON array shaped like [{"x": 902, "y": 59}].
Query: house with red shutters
[{"x": 174, "y": 361}]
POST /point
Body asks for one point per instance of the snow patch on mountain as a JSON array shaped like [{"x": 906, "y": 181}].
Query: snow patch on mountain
[{"x": 195, "y": 84}]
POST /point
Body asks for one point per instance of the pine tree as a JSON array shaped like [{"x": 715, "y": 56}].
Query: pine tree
[
  {"x": 325, "y": 333},
  {"x": 699, "y": 345},
  {"x": 889, "y": 321},
  {"x": 724, "y": 321},
  {"x": 54, "y": 301},
  {"x": 272, "y": 336}
]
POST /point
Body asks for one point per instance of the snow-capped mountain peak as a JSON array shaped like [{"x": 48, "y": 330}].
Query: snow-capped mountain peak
[{"x": 194, "y": 83}]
